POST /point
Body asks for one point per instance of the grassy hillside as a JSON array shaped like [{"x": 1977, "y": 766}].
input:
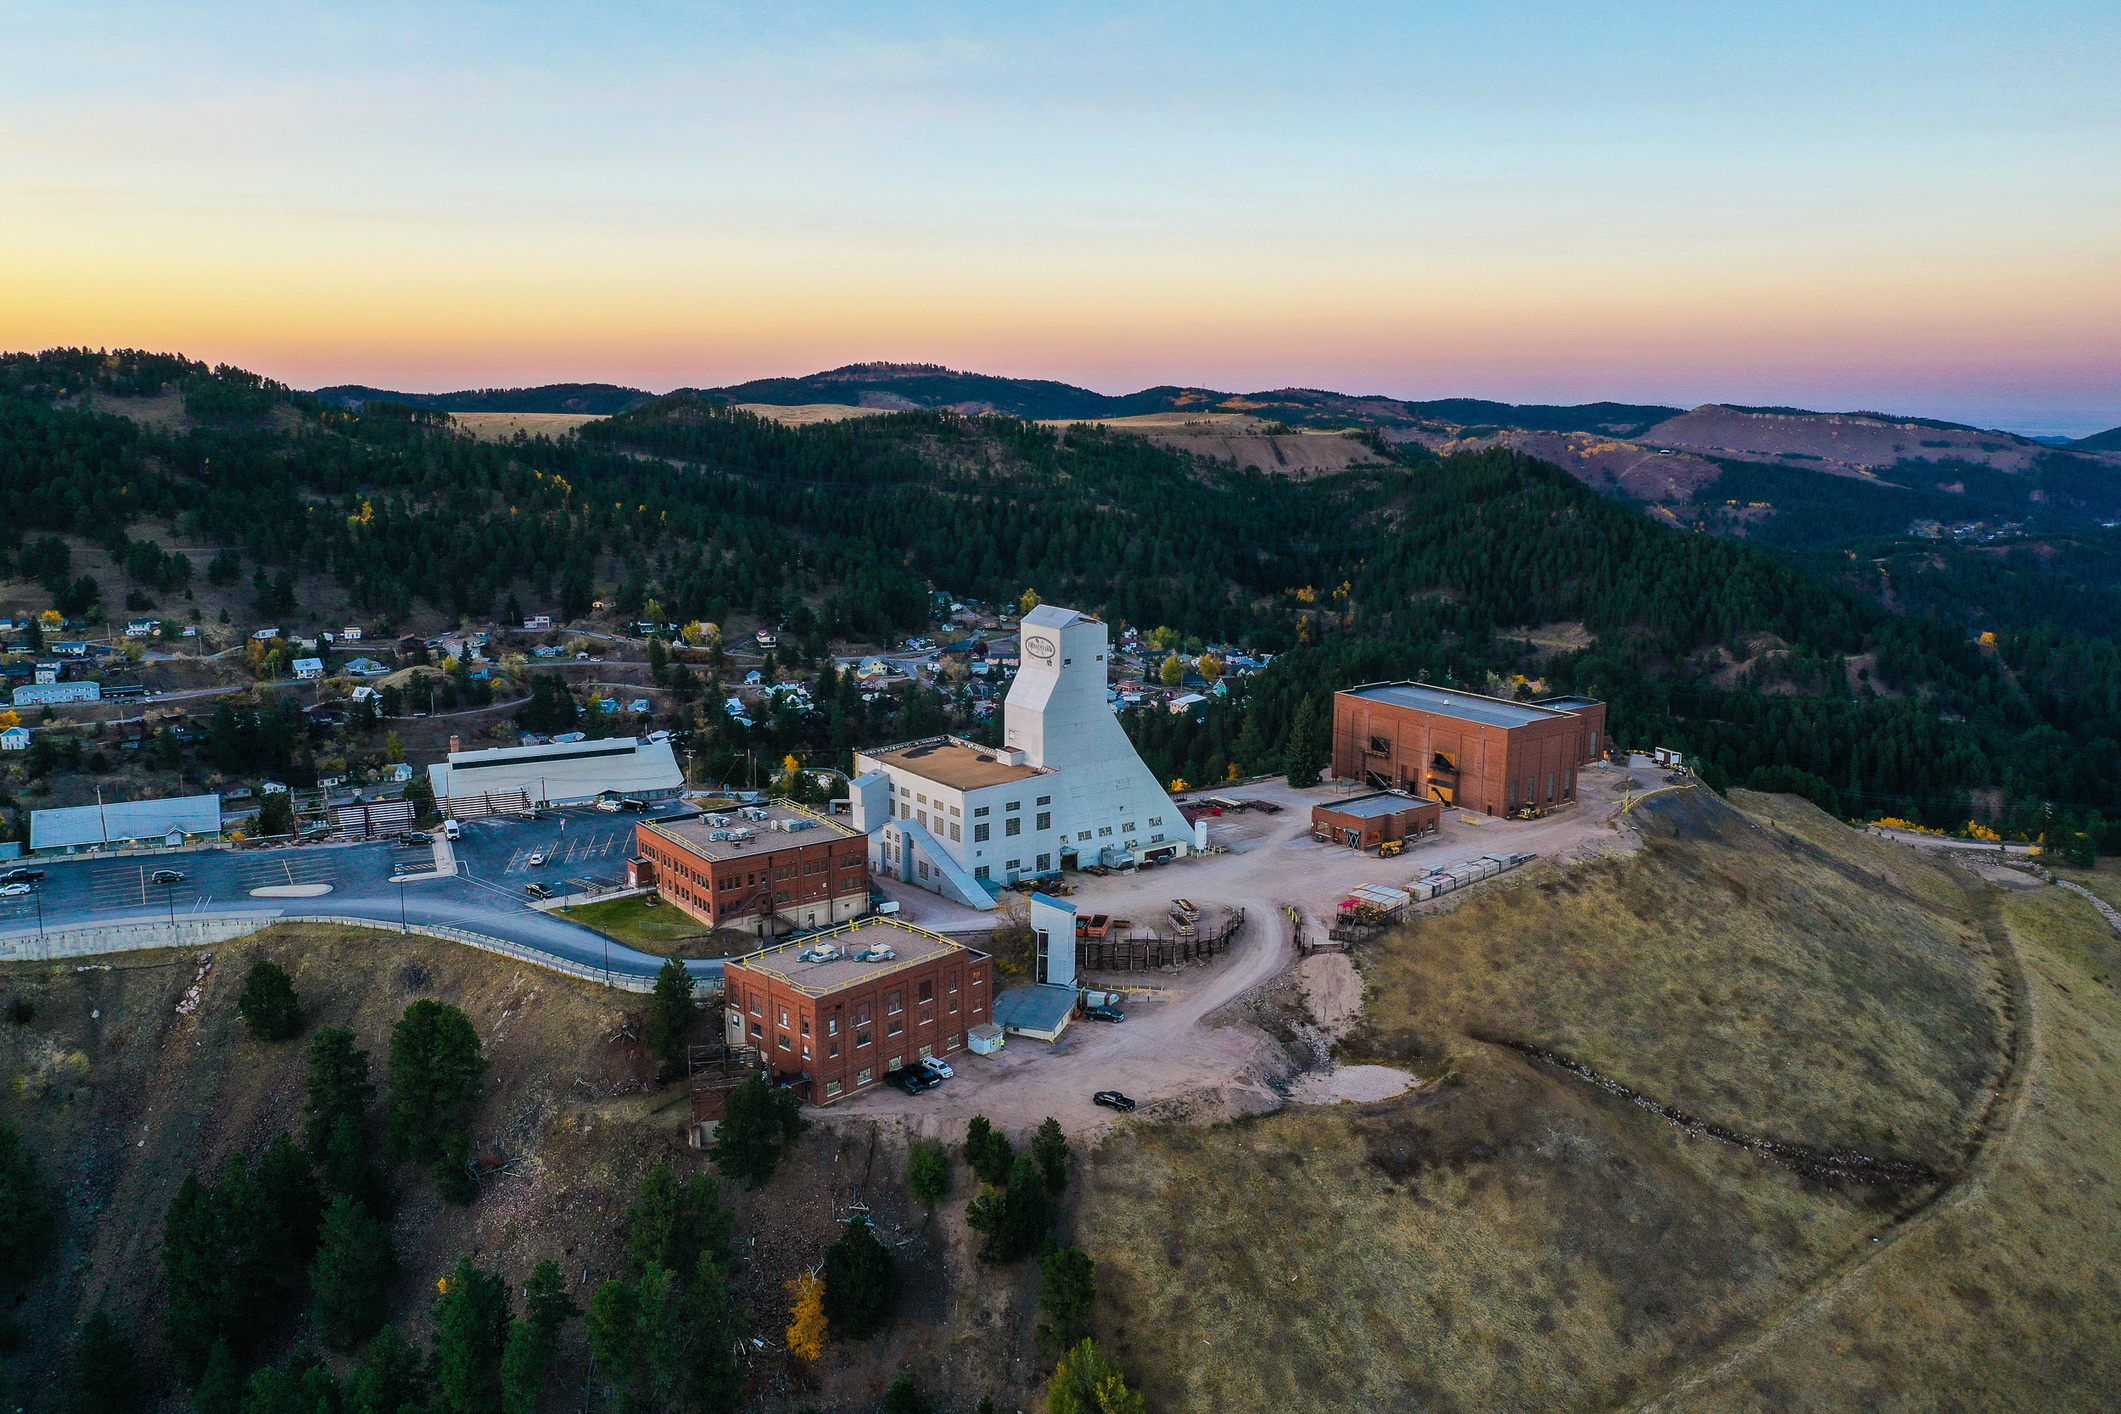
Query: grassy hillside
[{"x": 1514, "y": 1238}]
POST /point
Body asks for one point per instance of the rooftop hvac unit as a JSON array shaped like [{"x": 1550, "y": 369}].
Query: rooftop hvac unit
[
  {"x": 719, "y": 821},
  {"x": 823, "y": 952},
  {"x": 755, "y": 812},
  {"x": 876, "y": 952},
  {"x": 791, "y": 826}
]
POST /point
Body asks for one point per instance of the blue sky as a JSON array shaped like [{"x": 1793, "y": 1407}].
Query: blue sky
[{"x": 1861, "y": 205}]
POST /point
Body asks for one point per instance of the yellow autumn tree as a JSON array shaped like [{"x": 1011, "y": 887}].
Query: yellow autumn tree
[
  {"x": 806, "y": 1320},
  {"x": 1028, "y": 601}
]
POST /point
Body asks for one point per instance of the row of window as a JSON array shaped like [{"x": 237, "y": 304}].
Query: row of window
[{"x": 867, "y": 1076}]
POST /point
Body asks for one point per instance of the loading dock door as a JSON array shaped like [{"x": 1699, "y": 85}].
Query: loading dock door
[{"x": 1351, "y": 838}]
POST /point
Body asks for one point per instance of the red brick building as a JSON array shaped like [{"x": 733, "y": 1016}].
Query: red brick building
[
  {"x": 814, "y": 1008},
  {"x": 1460, "y": 748},
  {"x": 765, "y": 869}
]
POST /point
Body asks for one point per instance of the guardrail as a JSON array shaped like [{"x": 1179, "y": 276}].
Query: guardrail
[{"x": 202, "y": 932}]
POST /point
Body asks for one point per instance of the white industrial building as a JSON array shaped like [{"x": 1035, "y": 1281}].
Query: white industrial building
[
  {"x": 1065, "y": 789},
  {"x": 166, "y": 823},
  {"x": 43, "y": 694},
  {"x": 561, "y": 773}
]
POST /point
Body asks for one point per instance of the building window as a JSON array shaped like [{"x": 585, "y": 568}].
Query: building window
[
  {"x": 862, "y": 1078},
  {"x": 806, "y": 1050},
  {"x": 922, "y": 816},
  {"x": 1013, "y": 826},
  {"x": 1380, "y": 746},
  {"x": 897, "y": 1025},
  {"x": 1045, "y": 800},
  {"x": 1127, "y": 828},
  {"x": 979, "y": 832},
  {"x": 1104, "y": 830},
  {"x": 894, "y": 1003},
  {"x": 978, "y": 810},
  {"x": 783, "y": 1039},
  {"x": 758, "y": 1032},
  {"x": 861, "y": 1039},
  {"x": 832, "y": 1026},
  {"x": 1083, "y": 835},
  {"x": 922, "y": 799},
  {"x": 1014, "y": 805},
  {"x": 950, "y": 1042},
  {"x": 1045, "y": 862},
  {"x": 953, "y": 832},
  {"x": 832, "y": 1087},
  {"x": 923, "y": 867},
  {"x": 953, "y": 810},
  {"x": 1045, "y": 820},
  {"x": 784, "y": 1018},
  {"x": 805, "y": 1028},
  {"x": 832, "y": 1049},
  {"x": 980, "y": 872},
  {"x": 1155, "y": 820},
  {"x": 953, "y": 1001},
  {"x": 758, "y": 1005},
  {"x": 927, "y": 993}
]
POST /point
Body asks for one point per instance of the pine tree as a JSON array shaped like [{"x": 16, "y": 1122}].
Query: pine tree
[
  {"x": 717, "y": 1382},
  {"x": 613, "y": 1315},
  {"x": 927, "y": 1171},
  {"x": 670, "y": 1015},
  {"x": 106, "y": 1377},
  {"x": 988, "y": 1152},
  {"x": 1050, "y": 1148},
  {"x": 806, "y": 1318},
  {"x": 526, "y": 1367},
  {"x": 905, "y": 1397},
  {"x": 658, "y": 661},
  {"x": 672, "y": 1225},
  {"x": 270, "y": 1008},
  {"x": 347, "y": 1170},
  {"x": 1065, "y": 1298},
  {"x": 1014, "y": 1220},
  {"x": 1302, "y": 755},
  {"x": 352, "y": 1275},
  {"x": 27, "y": 1218},
  {"x": 452, "y": 1170},
  {"x": 861, "y": 1282},
  {"x": 391, "y": 1378},
  {"x": 338, "y": 1087},
  {"x": 295, "y": 1204},
  {"x": 220, "y": 1389},
  {"x": 760, "y": 1123},
  {"x": 471, "y": 1326},
  {"x": 545, "y": 1299},
  {"x": 192, "y": 1269},
  {"x": 436, "y": 1072}
]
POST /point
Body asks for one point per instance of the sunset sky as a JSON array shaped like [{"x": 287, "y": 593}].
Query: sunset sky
[{"x": 1910, "y": 206}]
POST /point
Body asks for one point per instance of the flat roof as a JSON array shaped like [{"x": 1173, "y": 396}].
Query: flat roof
[
  {"x": 1040, "y": 1007},
  {"x": 696, "y": 832},
  {"x": 1369, "y": 807},
  {"x": 957, "y": 764},
  {"x": 1568, "y": 704},
  {"x": 1447, "y": 702},
  {"x": 817, "y": 979},
  {"x": 558, "y": 771},
  {"x": 124, "y": 820}
]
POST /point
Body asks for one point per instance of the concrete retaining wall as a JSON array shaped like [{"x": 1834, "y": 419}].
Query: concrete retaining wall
[{"x": 201, "y": 932}]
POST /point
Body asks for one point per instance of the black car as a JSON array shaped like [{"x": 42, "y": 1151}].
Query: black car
[
  {"x": 912, "y": 1079},
  {"x": 168, "y": 876},
  {"x": 1104, "y": 1013},
  {"x": 1112, "y": 1100},
  {"x": 22, "y": 876}
]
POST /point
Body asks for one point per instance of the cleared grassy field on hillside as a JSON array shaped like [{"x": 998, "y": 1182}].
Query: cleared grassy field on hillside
[{"x": 1515, "y": 1238}]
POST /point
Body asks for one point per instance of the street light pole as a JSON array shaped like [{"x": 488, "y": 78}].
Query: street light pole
[{"x": 401, "y": 908}]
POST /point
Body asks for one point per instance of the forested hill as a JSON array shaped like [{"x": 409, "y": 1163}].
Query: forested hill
[
  {"x": 1437, "y": 567},
  {"x": 595, "y": 399},
  {"x": 2107, "y": 441}
]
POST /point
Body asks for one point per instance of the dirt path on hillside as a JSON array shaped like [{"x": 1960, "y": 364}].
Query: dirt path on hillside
[{"x": 1991, "y": 1138}]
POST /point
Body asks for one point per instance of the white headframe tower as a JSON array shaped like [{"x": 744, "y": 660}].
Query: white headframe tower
[{"x": 1056, "y": 714}]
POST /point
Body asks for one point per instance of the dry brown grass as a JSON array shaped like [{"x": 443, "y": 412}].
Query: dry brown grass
[
  {"x": 1514, "y": 1239},
  {"x": 503, "y": 426},
  {"x": 2004, "y": 1296}
]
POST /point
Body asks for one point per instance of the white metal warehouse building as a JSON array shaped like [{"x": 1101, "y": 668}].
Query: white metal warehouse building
[
  {"x": 562, "y": 773},
  {"x": 175, "y": 821}
]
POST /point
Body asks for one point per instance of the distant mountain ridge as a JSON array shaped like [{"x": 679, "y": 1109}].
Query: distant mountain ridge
[
  {"x": 907, "y": 386},
  {"x": 2107, "y": 441},
  {"x": 594, "y": 399}
]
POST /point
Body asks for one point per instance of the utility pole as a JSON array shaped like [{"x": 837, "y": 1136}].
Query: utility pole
[{"x": 401, "y": 908}]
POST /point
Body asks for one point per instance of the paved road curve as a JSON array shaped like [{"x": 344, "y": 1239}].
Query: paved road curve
[{"x": 485, "y": 894}]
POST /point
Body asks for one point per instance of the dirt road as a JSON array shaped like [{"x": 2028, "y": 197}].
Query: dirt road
[{"x": 1165, "y": 1048}]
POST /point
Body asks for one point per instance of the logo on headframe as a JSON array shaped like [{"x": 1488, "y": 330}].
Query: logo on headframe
[{"x": 1039, "y": 647}]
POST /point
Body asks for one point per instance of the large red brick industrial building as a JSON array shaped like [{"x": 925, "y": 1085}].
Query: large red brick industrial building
[
  {"x": 765, "y": 869},
  {"x": 1479, "y": 753},
  {"x": 817, "y": 1007}
]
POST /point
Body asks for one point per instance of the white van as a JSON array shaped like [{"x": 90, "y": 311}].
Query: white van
[{"x": 452, "y": 831}]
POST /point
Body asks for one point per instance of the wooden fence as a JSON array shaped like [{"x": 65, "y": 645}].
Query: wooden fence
[{"x": 1144, "y": 951}]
